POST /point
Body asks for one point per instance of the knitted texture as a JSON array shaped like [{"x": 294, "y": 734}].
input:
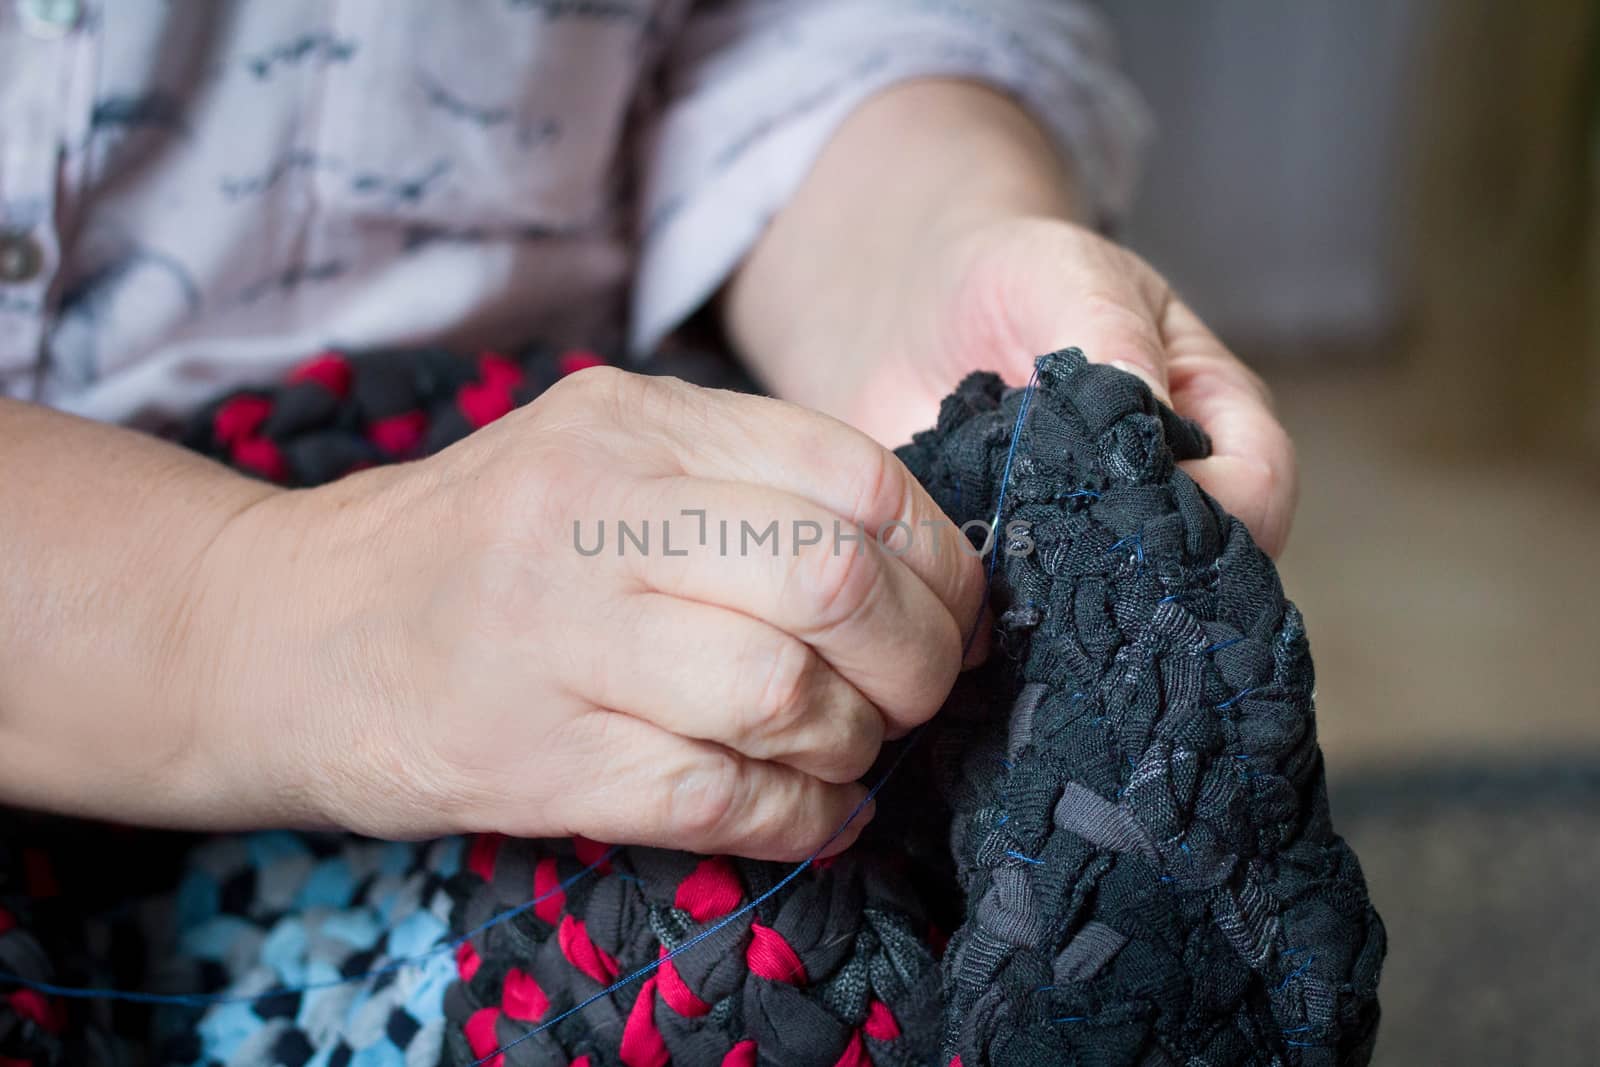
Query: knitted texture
[
  {"x": 258, "y": 912},
  {"x": 339, "y": 413},
  {"x": 835, "y": 969},
  {"x": 1141, "y": 825},
  {"x": 1121, "y": 817}
]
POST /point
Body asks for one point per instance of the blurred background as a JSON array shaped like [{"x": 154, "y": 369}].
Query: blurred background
[{"x": 1392, "y": 209}]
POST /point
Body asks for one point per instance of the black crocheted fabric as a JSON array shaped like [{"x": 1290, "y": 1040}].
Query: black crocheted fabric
[
  {"x": 1141, "y": 824},
  {"x": 1119, "y": 822}
]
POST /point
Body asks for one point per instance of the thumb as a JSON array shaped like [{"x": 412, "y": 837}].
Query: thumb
[
  {"x": 1119, "y": 329},
  {"x": 1106, "y": 302}
]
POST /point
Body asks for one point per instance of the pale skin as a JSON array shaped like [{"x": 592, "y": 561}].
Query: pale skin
[{"x": 419, "y": 650}]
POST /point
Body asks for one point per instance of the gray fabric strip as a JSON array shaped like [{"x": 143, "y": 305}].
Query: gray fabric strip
[
  {"x": 1087, "y": 953},
  {"x": 1008, "y": 909},
  {"x": 1022, "y": 717},
  {"x": 1248, "y": 921},
  {"x": 1097, "y": 820}
]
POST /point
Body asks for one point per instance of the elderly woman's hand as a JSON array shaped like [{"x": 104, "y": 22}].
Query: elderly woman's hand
[
  {"x": 931, "y": 241},
  {"x": 1008, "y": 291},
  {"x": 470, "y": 642}
]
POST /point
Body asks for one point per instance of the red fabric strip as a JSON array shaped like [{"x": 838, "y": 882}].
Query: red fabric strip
[
  {"x": 642, "y": 1045},
  {"x": 854, "y": 1054},
  {"x": 676, "y": 992},
  {"x": 398, "y": 434},
  {"x": 480, "y": 859},
  {"x": 522, "y": 998},
  {"x": 240, "y": 417},
  {"x": 589, "y": 853},
  {"x": 583, "y": 953},
  {"x": 498, "y": 371},
  {"x": 329, "y": 370},
  {"x": 741, "y": 1055},
  {"x": 770, "y": 956},
  {"x": 880, "y": 1024},
  {"x": 711, "y": 892},
  {"x": 547, "y": 880},
  {"x": 482, "y": 403},
  {"x": 32, "y": 1005},
  {"x": 467, "y": 961},
  {"x": 261, "y": 456},
  {"x": 481, "y": 1036}
]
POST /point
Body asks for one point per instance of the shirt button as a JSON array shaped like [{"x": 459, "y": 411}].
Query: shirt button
[
  {"x": 49, "y": 18},
  {"x": 20, "y": 258}
]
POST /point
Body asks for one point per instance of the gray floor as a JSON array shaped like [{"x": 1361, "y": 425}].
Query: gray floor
[{"x": 1451, "y": 601}]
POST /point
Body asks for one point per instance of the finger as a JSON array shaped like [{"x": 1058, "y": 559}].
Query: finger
[
  {"x": 732, "y": 437},
  {"x": 1123, "y": 334},
  {"x": 1107, "y": 302},
  {"x": 798, "y": 567},
  {"x": 667, "y": 791},
  {"x": 1252, "y": 469},
  {"x": 712, "y": 674}
]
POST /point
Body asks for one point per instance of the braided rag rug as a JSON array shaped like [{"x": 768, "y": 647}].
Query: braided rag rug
[{"x": 1111, "y": 847}]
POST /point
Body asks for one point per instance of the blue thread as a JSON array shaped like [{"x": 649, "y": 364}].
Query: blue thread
[
  {"x": 1137, "y": 537},
  {"x": 1071, "y": 1019},
  {"x": 1297, "y": 972},
  {"x": 200, "y": 1000},
  {"x": 1014, "y": 854},
  {"x": 1231, "y": 701},
  {"x": 1003, "y": 820},
  {"x": 1000, "y": 501},
  {"x": 1220, "y": 645},
  {"x": 1298, "y": 1029}
]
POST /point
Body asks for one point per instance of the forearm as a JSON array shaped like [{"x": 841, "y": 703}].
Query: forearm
[
  {"x": 102, "y": 535},
  {"x": 909, "y": 168}
]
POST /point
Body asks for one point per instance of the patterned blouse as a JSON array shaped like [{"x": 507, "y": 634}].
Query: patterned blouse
[{"x": 196, "y": 193}]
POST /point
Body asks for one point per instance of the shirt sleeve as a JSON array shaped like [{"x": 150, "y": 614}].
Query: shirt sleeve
[{"x": 751, "y": 91}]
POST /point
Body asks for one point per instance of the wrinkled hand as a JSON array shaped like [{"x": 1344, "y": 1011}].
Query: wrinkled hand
[
  {"x": 998, "y": 296},
  {"x": 425, "y": 649}
]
